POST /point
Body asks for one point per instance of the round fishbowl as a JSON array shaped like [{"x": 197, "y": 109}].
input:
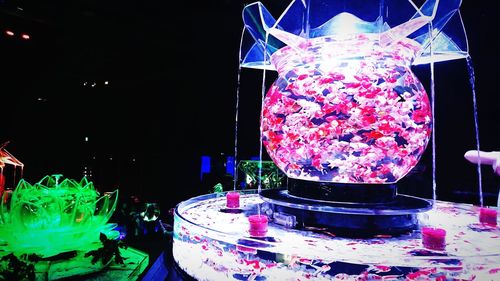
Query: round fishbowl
[{"x": 346, "y": 110}]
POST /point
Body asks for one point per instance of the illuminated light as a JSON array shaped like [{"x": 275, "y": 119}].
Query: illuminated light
[
  {"x": 84, "y": 83},
  {"x": 9, "y": 33},
  {"x": 25, "y": 36},
  {"x": 94, "y": 84},
  {"x": 205, "y": 165},
  {"x": 54, "y": 216},
  {"x": 344, "y": 24},
  {"x": 86, "y": 139},
  {"x": 106, "y": 82},
  {"x": 229, "y": 165}
]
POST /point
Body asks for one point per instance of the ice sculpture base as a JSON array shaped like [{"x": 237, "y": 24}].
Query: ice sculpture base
[
  {"x": 212, "y": 245},
  {"x": 80, "y": 267},
  {"x": 348, "y": 219}
]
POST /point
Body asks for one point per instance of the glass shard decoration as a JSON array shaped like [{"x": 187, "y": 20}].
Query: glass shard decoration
[
  {"x": 346, "y": 107},
  {"x": 7, "y": 158},
  {"x": 271, "y": 176},
  {"x": 55, "y": 215}
]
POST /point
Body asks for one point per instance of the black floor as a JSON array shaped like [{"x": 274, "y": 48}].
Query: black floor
[{"x": 162, "y": 266}]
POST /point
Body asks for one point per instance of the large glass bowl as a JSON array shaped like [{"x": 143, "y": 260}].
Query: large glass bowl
[{"x": 346, "y": 110}]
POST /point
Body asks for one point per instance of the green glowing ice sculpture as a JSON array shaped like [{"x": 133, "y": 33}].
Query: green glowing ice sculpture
[{"x": 55, "y": 216}]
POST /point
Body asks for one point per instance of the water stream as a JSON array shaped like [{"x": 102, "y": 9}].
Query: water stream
[
  {"x": 433, "y": 106},
  {"x": 263, "y": 93},
  {"x": 472, "y": 81},
  {"x": 235, "y": 168}
]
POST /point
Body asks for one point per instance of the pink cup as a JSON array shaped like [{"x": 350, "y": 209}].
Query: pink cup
[
  {"x": 434, "y": 238},
  {"x": 258, "y": 225},
  {"x": 233, "y": 199},
  {"x": 488, "y": 216}
]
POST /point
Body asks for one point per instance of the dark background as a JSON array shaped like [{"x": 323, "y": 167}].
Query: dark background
[{"x": 170, "y": 98}]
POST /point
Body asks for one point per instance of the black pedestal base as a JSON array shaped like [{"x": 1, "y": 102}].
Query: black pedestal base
[{"x": 342, "y": 192}]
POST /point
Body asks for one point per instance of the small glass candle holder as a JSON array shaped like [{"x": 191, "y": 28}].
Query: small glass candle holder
[
  {"x": 488, "y": 216},
  {"x": 233, "y": 199},
  {"x": 434, "y": 238},
  {"x": 258, "y": 225}
]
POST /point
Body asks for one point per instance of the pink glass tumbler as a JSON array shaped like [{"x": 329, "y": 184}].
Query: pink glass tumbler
[
  {"x": 434, "y": 238},
  {"x": 233, "y": 199},
  {"x": 488, "y": 216},
  {"x": 258, "y": 225}
]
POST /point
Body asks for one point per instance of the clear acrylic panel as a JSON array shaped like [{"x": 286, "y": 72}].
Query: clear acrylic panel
[{"x": 388, "y": 21}]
